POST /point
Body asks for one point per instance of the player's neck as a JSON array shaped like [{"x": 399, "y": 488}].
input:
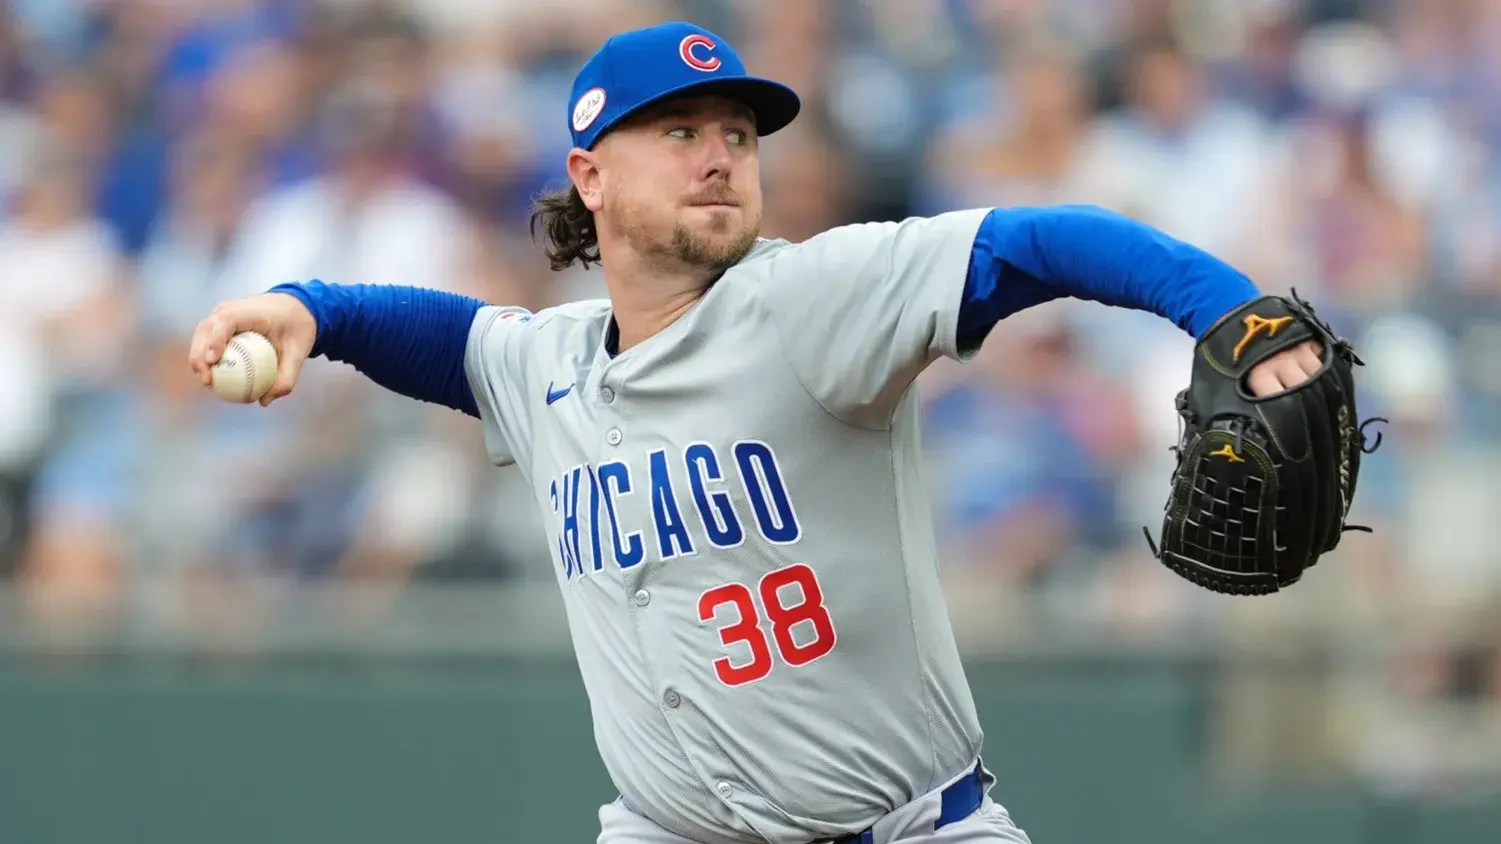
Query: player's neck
[
  {"x": 641, "y": 314},
  {"x": 647, "y": 299}
]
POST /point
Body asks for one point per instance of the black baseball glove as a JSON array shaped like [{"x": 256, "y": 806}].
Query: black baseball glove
[{"x": 1263, "y": 485}]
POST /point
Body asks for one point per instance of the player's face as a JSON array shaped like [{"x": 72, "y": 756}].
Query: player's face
[{"x": 684, "y": 182}]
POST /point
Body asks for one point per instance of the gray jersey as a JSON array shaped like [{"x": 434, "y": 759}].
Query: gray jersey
[{"x": 739, "y": 525}]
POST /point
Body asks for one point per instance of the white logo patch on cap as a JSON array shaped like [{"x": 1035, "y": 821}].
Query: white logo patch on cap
[{"x": 588, "y": 108}]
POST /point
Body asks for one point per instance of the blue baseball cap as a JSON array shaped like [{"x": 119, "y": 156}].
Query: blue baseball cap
[{"x": 642, "y": 67}]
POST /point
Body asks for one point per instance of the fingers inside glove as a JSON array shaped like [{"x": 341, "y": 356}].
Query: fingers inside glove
[
  {"x": 1286, "y": 369},
  {"x": 1310, "y": 357},
  {"x": 1265, "y": 381}
]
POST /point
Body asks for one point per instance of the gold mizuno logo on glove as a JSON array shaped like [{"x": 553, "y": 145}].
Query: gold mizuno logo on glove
[
  {"x": 1256, "y": 325},
  {"x": 1228, "y": 453}
]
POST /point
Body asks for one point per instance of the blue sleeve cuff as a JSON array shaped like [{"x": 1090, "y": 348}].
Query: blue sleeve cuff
[{"x": 314, "y": 306}]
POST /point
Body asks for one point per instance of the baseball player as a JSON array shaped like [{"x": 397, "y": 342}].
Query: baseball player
[{"x": 726, "y": 451}]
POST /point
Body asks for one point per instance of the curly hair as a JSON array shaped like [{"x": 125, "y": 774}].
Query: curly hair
[{"x": 569, "y": 228}]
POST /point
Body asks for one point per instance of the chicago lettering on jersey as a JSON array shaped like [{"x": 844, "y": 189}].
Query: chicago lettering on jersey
[{"x": 691, "y": 496}]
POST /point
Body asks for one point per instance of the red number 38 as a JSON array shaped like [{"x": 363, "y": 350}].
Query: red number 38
[{"x": 803, "y": 612}]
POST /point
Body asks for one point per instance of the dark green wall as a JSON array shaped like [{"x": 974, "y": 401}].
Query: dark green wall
[{"x": 342, "y": 751}]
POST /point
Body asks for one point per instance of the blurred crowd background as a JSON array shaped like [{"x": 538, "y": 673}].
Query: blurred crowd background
[{"x": 157, "y": 157}]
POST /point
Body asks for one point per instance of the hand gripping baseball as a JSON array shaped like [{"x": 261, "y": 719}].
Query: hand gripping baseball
[{"x": 280, "y": 317}]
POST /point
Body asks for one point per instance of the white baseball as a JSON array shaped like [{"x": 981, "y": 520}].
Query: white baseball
[{"x": 246, "y": 370}]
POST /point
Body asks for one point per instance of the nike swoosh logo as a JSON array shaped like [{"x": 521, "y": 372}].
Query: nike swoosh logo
[{"x": 554, "y": 395}]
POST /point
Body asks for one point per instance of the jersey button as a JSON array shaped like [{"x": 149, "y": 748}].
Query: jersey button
[
  {"x": 671, "y": 699},
  {"x": 606, "y": 395},
  {"x": 643, "y": 598},
  {"x": 614, "y": 436},
  {"x": 723, "y": 789}
]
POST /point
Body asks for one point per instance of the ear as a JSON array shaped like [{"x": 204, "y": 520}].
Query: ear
[{"x": 583, "y": 171}]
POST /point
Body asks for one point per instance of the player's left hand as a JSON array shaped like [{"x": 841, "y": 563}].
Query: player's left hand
[{"x": 1286, "y": 369}]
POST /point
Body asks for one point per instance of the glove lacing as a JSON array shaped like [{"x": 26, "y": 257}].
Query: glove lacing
[{"x": 1366, "y": 447}]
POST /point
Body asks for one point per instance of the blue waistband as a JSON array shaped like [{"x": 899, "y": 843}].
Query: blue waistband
[{"x": 961, "y": 798}]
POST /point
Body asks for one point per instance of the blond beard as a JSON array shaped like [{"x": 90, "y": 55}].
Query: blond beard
[
  {"x": 697, "y": 251},
  {"x": 687, "y": 247}
]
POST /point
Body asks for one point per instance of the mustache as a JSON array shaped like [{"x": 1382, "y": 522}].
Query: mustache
[{"x": 718, "y": 194}]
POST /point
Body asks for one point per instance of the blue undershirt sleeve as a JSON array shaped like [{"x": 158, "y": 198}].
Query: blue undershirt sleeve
[
  {"x": 1030, "y": 255},
  {"x": 410, "y": 340}
]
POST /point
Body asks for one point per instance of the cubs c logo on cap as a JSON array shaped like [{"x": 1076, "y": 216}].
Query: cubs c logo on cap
[
  {"x": 706, "y": 45},
  {"x": 587, "y": 110}
]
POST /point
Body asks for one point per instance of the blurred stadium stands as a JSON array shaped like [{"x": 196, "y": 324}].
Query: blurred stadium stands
[{"x": 156, "y": 157}]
